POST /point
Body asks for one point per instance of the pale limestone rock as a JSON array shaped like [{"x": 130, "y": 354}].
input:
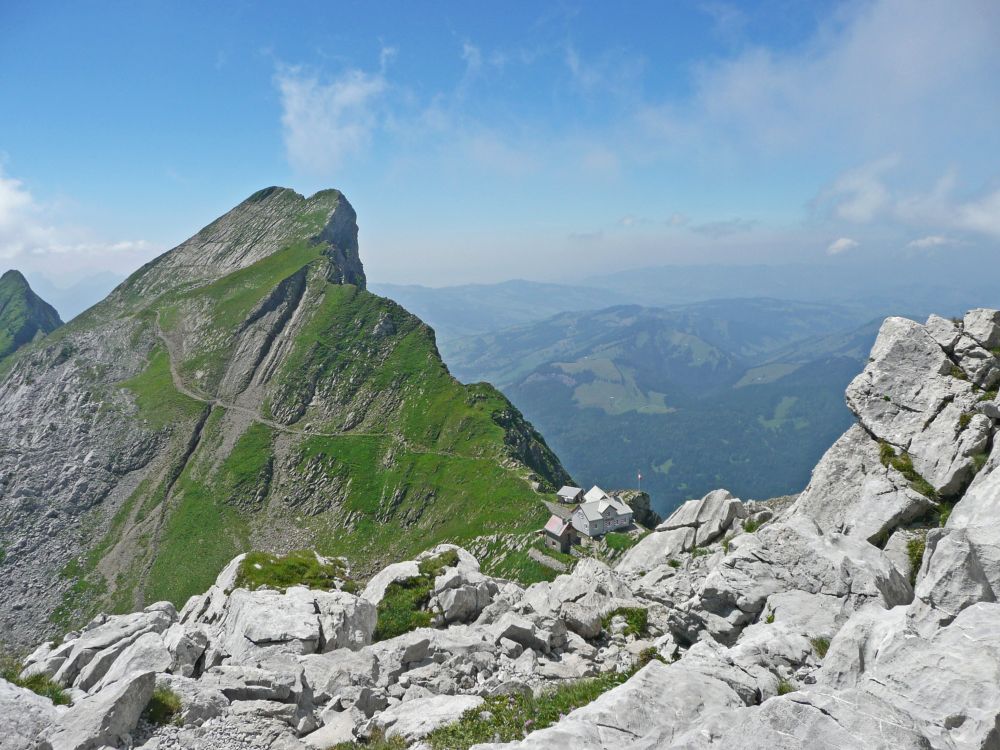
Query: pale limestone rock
[
  {"x": 105, "y": 718},
  {"x": 415, "y": 719},
  {"x": 852, "y": 493},
  {"x": 23, "y": 716},
  {"x": 984, "y": 326}
]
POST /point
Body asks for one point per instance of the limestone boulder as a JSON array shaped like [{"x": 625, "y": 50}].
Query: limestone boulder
[
  {"x": 710, "y": 517},
  {"x": 106, "y": 718},
  {"x": 199, "y": 702},
  {"x": 983, "y": 325},
  {"x": 415, "y": 719},
  {"x": 852, "y": 493},
  {"x": 146, "y": 654},
  {"x": 23, "y": 716},
  {"x": 782, "y": 557}
]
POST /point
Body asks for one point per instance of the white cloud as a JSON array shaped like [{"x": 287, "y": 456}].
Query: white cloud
[
  {"x": 932, "y": 240},
  {"x": 325, "y": 123},
  {"x": 841, "y": 245},
  {"x": 880, "y": 72},
  {"x": 32, "y": 238},
  {"x": 860, "y": 195}
]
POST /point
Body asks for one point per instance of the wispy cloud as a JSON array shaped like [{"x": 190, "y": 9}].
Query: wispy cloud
[
  {"x": 841, "y": 245},
  {"x": 327, "y": 121},
  {"x": 31, "y": 238},
  {"x": 932, "y": 240}
]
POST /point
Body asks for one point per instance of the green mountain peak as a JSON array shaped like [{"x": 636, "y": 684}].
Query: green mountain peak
[
  {"x": 243, "y": 391},
  {"x": 24, "y": 315}
]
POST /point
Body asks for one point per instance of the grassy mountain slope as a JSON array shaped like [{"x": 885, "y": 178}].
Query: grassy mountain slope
[
  {"x": 23, "y": 314},
  {"x": 743, "y": 394},
  {"x": 248, "y": 392}
]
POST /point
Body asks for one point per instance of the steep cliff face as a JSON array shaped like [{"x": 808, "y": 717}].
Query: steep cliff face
[
  {"x": 24, "y": 315},
  {"x": 242, "y": 390}
]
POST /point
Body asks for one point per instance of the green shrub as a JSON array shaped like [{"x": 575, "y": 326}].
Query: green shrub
[
  {"x": 770, "y": 618},
  {"x": 10, "y": 670},
  {"x": 958, "y": 373},
  {"x": 904, "y": 465},
  {"x": 944, "y": 513},
  {"x": 649, "y": 654},
  {"x": 751, "y": 525},
  {"x": 506, "y": 718},
  {"x": 378, "y": 741},
  {"x": 434, "y": 566},
  {"x": 915, "y": 551},
  {"x": 636, "y": 618},
  {"x": 164, "y": 707},
  {"x": 785, "y": 687},
  {"x": 699, "y": 552},
  {"x": 820, "y": 646},
  {"x": 402, "y": 607},
  {"x": 674, "y": 563},
  {"x": 979, "y": 461},
  {"x": 298, "y": 568}
]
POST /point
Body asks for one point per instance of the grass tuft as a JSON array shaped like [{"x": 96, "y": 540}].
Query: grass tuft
[
  {"x": 751, "y": 525},
  {"x": 298, "y": 568},
  {"x": 506, "y": 718},
  {"x": 10, "y": 670},
  {"x": 915, "y": 551},
  {"x": 403, "y": 607},
  {"x": 618, "y": 541},
  {"x": 636, "y": 618},
  {"x": 785, "y": 687},
  {"x": 164, "y": 707},
  {"x": 904, "y": 465},
  {"x": 820, "y": 646},
  {"x": 674, "y": 563}
]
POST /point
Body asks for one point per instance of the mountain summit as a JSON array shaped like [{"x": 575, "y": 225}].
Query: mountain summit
[
  {"x": 243, "y": 391},
  {"x": 23, "y": 314}
]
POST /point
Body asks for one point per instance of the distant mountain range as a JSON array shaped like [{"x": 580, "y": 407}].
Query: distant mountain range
[{"x": 742, "y": 394}]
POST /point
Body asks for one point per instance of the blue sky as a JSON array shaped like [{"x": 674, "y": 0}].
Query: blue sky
[{"x": 481, "y": 142}]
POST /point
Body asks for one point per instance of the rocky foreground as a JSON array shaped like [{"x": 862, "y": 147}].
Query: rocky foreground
[{"x": 861, "y": 615}]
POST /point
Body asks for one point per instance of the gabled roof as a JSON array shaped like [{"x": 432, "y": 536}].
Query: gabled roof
[
  {"x": 569, "y": 491},
  {"x": 556, "y": 525},
  {"x": 594, "y": 510},
  {"x": 594, "y": 493}
]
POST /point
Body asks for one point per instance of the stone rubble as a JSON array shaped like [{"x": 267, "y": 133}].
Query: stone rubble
[{"x": 791, "y": 625}]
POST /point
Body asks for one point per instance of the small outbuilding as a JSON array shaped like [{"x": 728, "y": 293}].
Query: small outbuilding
[
  {"x": 569, "y": 494},
  {"x": 559, "y": 534}
]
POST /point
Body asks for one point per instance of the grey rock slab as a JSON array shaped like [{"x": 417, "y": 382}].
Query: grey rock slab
[
  {"x": 660, "y": 701},
  {"x": 816, "y": 719},
  {"x": 949, "y": 683},
  {"x": 980, "y": 365},
  {"x": 400, "y": 571},
  {"x": 906, "y": 380},
  {"x": 199, "y": 702},
  {"x": 950, "y": 579},
  {"x": 415, "y": 719},
  {"x": 146, "y": 654},
  {"x": 23, "y": 716},
  {"x": 710, "y": 517},
  {"x": 977, "y": 513},
  {"x": 656, "y": 549},
  {"x": 106, "y": 718},
  {"x": 945, "y": 332},
  {"x": 790, "y": 556},
  {"x": 852, "y": 493},
  {"x": 271, "y": 620},
  {"x": 983, "y": 325},
  {"x": 346, "y": 620}
]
